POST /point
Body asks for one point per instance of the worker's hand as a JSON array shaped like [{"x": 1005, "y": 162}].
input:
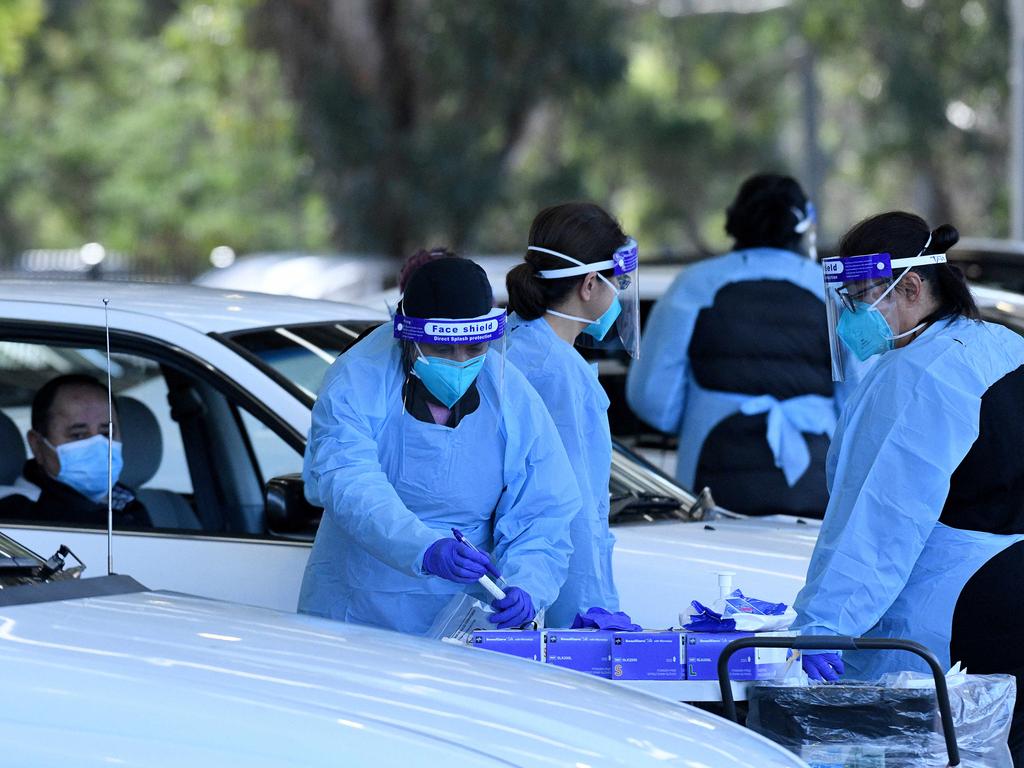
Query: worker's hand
[
  {"x": 514, "y": 610},
  {"x": 457, "y": 562},
  {"x": 823, "y": 667}
]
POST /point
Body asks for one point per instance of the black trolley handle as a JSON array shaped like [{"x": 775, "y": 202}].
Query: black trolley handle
[{"x": 841, "y": 643}]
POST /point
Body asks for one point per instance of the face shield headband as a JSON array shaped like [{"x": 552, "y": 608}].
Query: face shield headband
[
  {"x": 474, "y": 330},
  {"x": 624, "y": 310},
  {"x": 624, "y": 261}
]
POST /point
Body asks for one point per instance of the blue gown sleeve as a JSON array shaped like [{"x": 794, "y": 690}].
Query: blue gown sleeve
[
  {"x": 341, "y": 468},
  {"x": 532, "y": 543},
  {"x": 855, "y": 371},
  {"x": 901, "y": 441},
  {"x": 656, "y": 383},
  {"x": 567, "y": 407}
]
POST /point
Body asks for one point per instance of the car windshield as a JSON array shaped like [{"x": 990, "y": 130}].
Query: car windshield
[
  {"x": 18, "y": 565},
  {"x": 640, "y": 490},
  {"x": 298, "y": 356}
]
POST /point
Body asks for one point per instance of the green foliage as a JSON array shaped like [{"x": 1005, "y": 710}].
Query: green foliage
[
  {"x": 162, "y": 137},
  {"x": 917, "y": 94},
  {"x": 911, "y": 107},
  {"x": 167, "y": 127},
  {"x": 18, "y": 20}
]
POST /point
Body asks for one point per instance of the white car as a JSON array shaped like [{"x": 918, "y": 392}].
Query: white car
[
  {"x": 101, "y": 672},
  {"x": 336, "y": 277},
  {"x": 215, "y": 390}
]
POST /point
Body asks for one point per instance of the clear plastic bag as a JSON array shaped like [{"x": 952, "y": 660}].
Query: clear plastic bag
[
  {"x": 892, "y": 723},
  {"x": 457, "y": 620}
]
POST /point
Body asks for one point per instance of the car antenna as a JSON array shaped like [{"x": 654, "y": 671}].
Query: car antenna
[{"x": 110, "y": 446}]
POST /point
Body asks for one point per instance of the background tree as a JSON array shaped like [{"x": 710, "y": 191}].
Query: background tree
[
  {"x": 916, "y": 100},
  {"x": 168, "y": 127},
  {"x": 152, "y": 128},
  {"x": 413, "y": 110}
]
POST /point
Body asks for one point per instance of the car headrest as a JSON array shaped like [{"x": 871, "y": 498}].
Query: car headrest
[
  {"x": 142, "y": 443},
  {"x": 12, "y": 450}
]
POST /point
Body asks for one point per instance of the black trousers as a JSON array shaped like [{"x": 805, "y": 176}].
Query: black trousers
[{"x": 988, "y": 629}]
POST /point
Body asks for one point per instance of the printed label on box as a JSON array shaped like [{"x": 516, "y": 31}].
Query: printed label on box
[
  {"x": 703, "y": 649},
  {"x": 647, "y": 656},
  {"x": 526, "y": 644},
  {"x": 584, "y": 650}
]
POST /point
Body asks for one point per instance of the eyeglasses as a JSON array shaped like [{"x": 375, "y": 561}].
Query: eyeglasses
[{"x": 850, "y": 299}]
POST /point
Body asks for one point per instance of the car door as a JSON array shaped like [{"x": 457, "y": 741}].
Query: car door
[{"x": 198, "y": 449}]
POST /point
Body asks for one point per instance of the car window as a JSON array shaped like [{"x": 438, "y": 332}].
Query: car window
[
  {"x": 274, "y": 457},
  {"x": 25, "y": 367},
  {"x": 194, "y": 458},
  {"x": 299, "y": 355}
]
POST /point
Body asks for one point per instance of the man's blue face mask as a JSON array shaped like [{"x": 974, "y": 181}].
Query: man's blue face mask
[
  {"x": 83, "y": 465},
  {"x": 447, "y": 380}
]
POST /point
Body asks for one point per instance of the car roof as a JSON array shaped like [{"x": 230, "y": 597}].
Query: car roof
[
  {"x": 285, "y": 682},
  {"x": 208, "y": 310}
]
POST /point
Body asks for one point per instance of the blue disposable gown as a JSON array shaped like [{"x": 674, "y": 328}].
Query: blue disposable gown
[
  {"x": 391, "y": 485},
  {"x": 579, "y": 406},
  {"x": 663, "y": 392},
  {"x": 883, "y": 565}
]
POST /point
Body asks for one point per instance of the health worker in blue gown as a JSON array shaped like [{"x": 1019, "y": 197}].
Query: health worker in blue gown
[
  {"x": 579, "y": 277},
  {"x": 923, "y": 538},
  {"x": 734, "y": 362},
  {"x": 420, "y": 428}
]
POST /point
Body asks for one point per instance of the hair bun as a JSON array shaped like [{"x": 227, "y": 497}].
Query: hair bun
[{"x": 944, "y": 237}]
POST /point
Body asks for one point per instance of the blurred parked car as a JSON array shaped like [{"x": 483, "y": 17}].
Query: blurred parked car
[
  {"x": 101, "y": 671},
  {"x": 214, "y": 393},
  {"x": 335, "y": 277},
  {"x": 992, "y": 262}
]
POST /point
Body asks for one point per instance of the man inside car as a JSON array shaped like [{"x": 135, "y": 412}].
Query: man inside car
[{"x": 69, "y": 442}]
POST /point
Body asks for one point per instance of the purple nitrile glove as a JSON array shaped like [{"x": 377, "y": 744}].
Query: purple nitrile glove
[
  {"x": 823, "y": 667},
  {"x": 601, "y": 618},
  {"x": 514, "y": 611},
  {"x": 457, "y": 562}
]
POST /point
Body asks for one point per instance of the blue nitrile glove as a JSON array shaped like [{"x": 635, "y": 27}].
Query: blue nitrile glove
[
  {"x": 457, "y": 562},
  {"x": 514, "y": 611},
  {"x": 823, "y": 667},
  {"x": 601, "y": 618}
]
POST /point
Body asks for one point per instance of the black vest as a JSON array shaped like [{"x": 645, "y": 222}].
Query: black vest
[{"x": 761, "y": 337}]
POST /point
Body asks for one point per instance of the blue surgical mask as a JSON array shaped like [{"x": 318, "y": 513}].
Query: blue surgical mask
[
  {"x": 448, "y": 380},
  {"x": 83, "y": 465},
  {"x": 599, "y": 328}
]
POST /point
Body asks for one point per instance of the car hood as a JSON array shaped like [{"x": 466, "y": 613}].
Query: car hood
[
  {"x": 768, "y": 555},
  {"x": 158, "y": 678}
]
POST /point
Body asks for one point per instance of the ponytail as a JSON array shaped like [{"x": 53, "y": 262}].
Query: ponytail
[
  {"x": 947, "y": 281},
  {"x": 527, "y": 293}
]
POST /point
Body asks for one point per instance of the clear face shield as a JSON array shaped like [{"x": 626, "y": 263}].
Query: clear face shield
[
  {"x": 624, "y": 310},
  {"x": 451, "y": 353},
  {"x": 864, "y": 316}
]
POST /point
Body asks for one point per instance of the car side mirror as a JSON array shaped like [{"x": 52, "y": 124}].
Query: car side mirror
[{"x": 287, "y": 511}]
